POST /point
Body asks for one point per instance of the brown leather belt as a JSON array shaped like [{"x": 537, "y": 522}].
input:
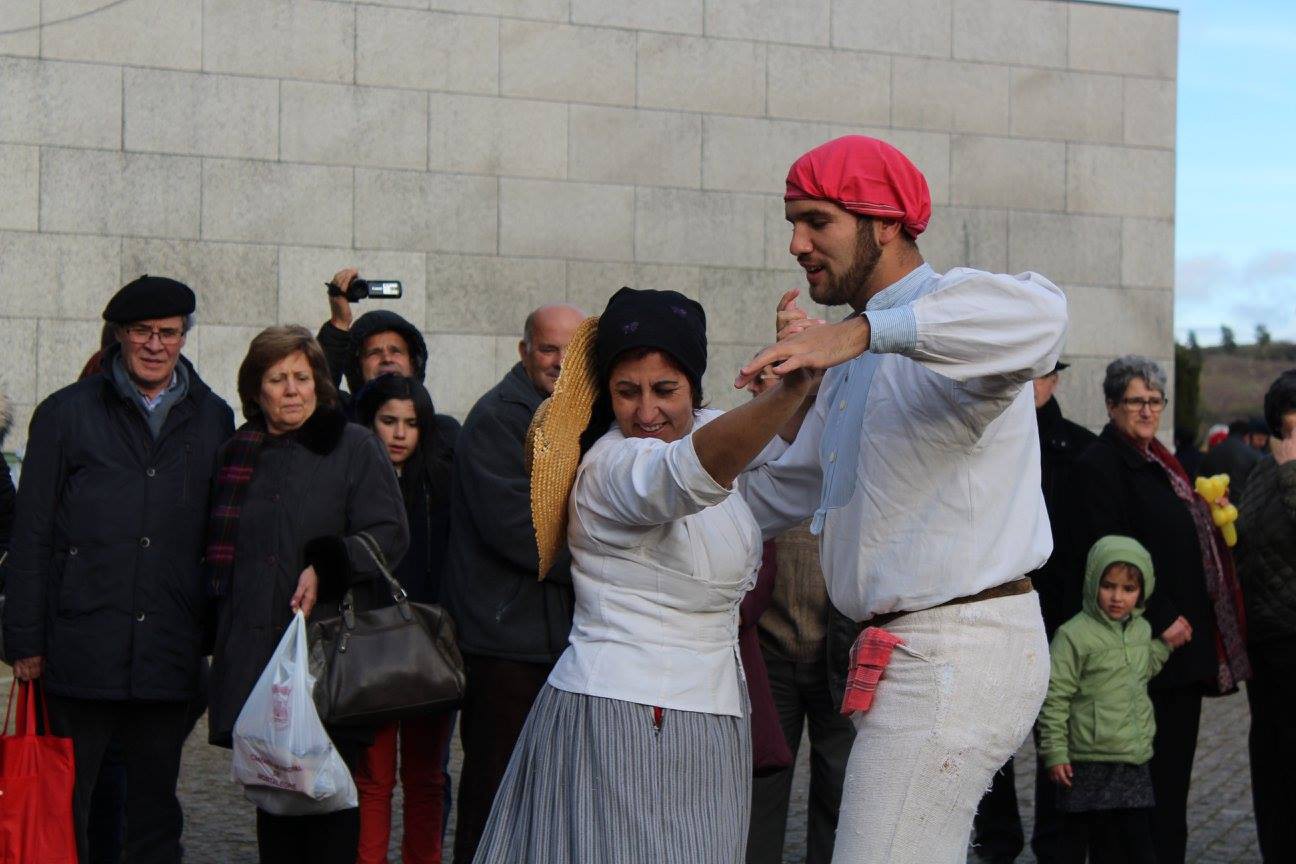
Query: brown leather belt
[{"x": 1007, "y": 589}]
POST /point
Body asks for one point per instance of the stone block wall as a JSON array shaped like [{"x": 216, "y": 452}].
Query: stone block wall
[{"x": 498, "y": 154}]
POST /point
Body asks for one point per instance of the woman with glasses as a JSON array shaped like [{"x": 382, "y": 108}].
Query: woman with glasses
[{"x": 1128, "y": 483}]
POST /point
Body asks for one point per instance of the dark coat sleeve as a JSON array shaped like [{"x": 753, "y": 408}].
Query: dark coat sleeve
[
  {"x": 28, "y": 567},
  {"x": 496, "y": 488},
  {"x": 1102, "y": 506},
  {"x": 337, "y": 347},
  {"x": 7, "y": 495},
  {"x": 374, "y": 506}
]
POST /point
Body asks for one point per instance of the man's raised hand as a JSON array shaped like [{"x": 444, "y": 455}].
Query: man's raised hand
[{"x": 818, "y": 348}]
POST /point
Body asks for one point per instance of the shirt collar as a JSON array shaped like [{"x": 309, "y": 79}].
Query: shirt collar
[
  {"x": 905, "y": 290},
  {"x": 151, "y": 402}
]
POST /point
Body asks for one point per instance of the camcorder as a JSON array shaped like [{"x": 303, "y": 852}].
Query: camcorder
[{"x": 373, "y": 289}]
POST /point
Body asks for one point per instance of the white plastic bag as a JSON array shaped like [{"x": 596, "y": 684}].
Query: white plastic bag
[{"x": 282, "y": 755}]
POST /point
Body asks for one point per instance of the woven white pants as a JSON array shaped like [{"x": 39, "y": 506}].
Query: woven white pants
[{"x": 958, "y": 698}]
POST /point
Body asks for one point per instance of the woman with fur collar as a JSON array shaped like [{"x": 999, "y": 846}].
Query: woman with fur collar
[{"x": 295, "y": 488}]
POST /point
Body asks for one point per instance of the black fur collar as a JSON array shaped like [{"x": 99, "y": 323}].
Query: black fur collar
[{"x": 322, "y": 431}]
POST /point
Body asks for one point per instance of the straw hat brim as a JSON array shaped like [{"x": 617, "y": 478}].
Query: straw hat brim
[{"x": 552, "y": 446}]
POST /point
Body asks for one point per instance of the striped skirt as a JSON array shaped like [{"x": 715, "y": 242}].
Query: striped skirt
[{"x": 595, "y": 781}]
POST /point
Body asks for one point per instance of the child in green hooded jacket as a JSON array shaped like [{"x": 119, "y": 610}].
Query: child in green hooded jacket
[{"x": 1096, "y": 726}]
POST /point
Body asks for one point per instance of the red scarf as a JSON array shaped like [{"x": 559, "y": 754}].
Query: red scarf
[{"x": 1232, "y": 664}]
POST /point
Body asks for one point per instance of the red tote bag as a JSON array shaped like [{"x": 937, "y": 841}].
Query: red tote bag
[{"x": 36, "y": 778}]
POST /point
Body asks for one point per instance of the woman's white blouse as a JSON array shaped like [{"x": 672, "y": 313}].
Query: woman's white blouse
[{"x": 661, "y": 557}]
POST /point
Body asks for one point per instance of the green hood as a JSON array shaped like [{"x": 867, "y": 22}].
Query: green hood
[{"x": 1106, "y": 552}]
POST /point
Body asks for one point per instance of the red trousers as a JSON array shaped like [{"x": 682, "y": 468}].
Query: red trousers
[{"x": 423, "y": 744}]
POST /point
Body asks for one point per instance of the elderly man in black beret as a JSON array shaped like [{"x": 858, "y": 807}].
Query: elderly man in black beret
[{"x": 104, "y": 577}]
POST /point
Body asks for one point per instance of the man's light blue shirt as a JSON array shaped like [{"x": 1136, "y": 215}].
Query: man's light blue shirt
[{"x": 892, "y": 329}]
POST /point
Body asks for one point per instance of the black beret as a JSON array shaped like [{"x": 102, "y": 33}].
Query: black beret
[
  {"x": 149, "y": 297},
  {"x": 665, "y": 320}
]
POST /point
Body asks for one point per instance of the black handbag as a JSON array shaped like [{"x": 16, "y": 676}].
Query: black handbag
[{"x": 390, "y": 663}]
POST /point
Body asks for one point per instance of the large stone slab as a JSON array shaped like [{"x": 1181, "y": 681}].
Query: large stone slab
[
  {"x": 1122, "y": 181},
  {"x": 490, "y": 135},
  {"x": 566, "y": 220},
  {"x": 100, "y": 192},
  {"x": 799, "y": 21},
  {"x": 1068, "y": 249},
  {"x": 624, "y": 145},
  {"x": 19, "y": 187},
  {"x": 363, "y": 126},
  {"x": 309, "y": 39},
  {"x": 575, "y": 64},
  {"x": 57, "y": 275},
  {"x": 193, "y": 114},
  {"x": 1011, "y": 31},
  {"x": 269, "y": 202},
  {"x": 919, "y": 27},
  {"x": 235, "y": 283},
  {"x": 415, "y": 210},
  {"x": 681, "y": 226},
  {"x": 689, "y": 73},
  {"x": 489, "y": 294},
  {"x": 65, "y": 104},
  {"x": 166, "y": 33},
  {"x": 833, "y": 86},
  {"x": 1074, "y": 106},
  {"x": 1106, "y": 37},
  {"x": 427, "y": 50},
  {"x": 1006, "y": 172},
  {"x": 949, "y": 96}
]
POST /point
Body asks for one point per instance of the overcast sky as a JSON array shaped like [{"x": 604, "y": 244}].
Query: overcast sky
[{"x": 1235, "y": 252}]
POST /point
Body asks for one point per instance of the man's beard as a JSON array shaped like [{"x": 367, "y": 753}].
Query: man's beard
[{"x": 840, "y": 290}]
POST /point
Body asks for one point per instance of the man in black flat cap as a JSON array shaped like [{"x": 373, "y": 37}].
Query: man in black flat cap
[{"x": 104, "y": 576}]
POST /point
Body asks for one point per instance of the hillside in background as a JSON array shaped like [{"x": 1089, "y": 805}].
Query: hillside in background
[{"x": 1233, "y": 383}]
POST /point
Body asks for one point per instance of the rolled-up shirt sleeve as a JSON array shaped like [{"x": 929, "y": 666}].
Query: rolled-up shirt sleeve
[
  {"x": 643, "y": 481},
  {"x": 982, "y": 326}
]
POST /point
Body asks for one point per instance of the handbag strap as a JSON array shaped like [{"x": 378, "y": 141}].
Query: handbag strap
[
  {"x": 27, "y": 720},
  {"x": 397, "y": 591},
  {"x": 376, "y": 553}
]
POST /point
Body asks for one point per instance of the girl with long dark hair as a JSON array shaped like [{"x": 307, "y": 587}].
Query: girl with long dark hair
[{"x": 400, "y": 412}]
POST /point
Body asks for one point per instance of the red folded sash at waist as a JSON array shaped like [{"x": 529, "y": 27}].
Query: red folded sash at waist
[{"x": 869, "y": 658}]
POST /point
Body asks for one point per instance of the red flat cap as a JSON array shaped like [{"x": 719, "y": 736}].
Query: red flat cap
[{"x": 865, "y": 176}]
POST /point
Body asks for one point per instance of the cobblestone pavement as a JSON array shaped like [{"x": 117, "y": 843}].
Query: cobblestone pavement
[{"x": 220, "y": 824}]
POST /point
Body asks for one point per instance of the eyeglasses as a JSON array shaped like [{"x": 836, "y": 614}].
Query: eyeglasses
[
  {"x": 1154, "y": 404},
  {"x": 140, "y": 334}
]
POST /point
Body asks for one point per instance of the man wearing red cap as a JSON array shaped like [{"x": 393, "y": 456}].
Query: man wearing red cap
[{"x": 920, "y": 464}]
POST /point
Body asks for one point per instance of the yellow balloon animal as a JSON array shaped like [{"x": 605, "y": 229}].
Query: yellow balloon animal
[{"x": 1215, "y": 491}]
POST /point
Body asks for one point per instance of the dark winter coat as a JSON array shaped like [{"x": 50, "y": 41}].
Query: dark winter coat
[
  {"x": 499, "y": 607},
  {"x": 427, "y": 510},
  {"x": 1061, "y": 443},
  {"x": 104, "y": 576},
  {"x": 1266, "y": 554},
  {"x": 1233, "y": 457},
  {"x": 1120, "y": 492},
  {"x": 312, "y": 492},
  {"x": 6, "y": 487}
]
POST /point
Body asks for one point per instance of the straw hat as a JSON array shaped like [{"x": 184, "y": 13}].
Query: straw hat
[{"x": 552, "y": 447}]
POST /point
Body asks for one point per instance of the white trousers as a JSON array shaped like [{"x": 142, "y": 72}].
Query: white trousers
[{"x": 958, "y": 698}]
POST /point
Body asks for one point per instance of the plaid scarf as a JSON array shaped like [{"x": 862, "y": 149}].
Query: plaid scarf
[
  {"x": 1232, "y": 666},
  {"x": 233, "y": 475}
]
